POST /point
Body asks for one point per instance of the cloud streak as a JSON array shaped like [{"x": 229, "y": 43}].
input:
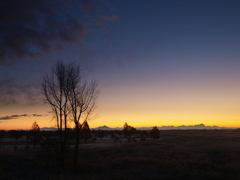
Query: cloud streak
[
  {"x": 19, "y": 116},
  {"x": 37, "y": 115}
]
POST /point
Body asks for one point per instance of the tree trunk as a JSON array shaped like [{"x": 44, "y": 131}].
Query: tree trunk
[
  {"x": 62, "y": 148},
  {"x": 75, "y": 158}
]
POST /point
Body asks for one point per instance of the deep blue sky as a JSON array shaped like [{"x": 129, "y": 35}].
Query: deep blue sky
[{"x": 154, "y": 59}]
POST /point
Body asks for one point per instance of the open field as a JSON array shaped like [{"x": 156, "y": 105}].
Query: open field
[{"x": 176, "y": 155}]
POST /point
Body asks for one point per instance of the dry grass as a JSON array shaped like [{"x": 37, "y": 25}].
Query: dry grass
[{"x": 176, "y": 155}]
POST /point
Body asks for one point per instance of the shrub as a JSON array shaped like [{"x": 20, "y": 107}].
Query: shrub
[{"x": 154, "y": 133}]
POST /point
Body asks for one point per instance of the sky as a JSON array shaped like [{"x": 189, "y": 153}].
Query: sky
[{"x": 157, "y": 62}]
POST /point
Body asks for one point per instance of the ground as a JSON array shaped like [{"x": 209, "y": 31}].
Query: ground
[{"x": 176, "y": 155}]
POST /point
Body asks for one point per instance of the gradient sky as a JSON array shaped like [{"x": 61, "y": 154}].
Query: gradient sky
[{"x": 157, "y": 62}]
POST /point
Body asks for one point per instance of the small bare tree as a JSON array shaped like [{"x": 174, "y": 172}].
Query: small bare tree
[
  {"x": 82, "y": 98},
  {"x": 55, "y": 90}
]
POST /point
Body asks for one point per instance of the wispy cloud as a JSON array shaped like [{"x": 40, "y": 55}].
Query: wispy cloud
[
  {"x": 12, "y": 117},
  {"x": 18, "y": 116},
  {"x": 37, "y": 115}
]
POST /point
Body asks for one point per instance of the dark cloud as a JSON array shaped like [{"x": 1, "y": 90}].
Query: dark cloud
[
  {"x": 18, "y": 116},
  {"x": 31, "y": 31},
  {"x": 37, "y": 115},
  {"x": 30, "y": 28},
  {"x": 12, "y": 117}
]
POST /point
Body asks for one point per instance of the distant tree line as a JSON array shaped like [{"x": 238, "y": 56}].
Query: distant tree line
[
  {"x": 36, "y": 136},
  {"x": 86, "y": 133}
]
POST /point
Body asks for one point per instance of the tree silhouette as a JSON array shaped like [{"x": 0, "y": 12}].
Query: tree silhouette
[
  {"x": 128, "y": 131},
  {"x": 82, "y": 97},
  {"x": 35, "y": 134},
  {"x": 68, "y": 95},
  {"x": 55, "y": 90},
  {"x": 154, "y": 133},
  {"x": 85, "y": 132}
]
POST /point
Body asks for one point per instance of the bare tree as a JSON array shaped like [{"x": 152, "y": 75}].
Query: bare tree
[
  {"x": 55, "y": 90},
  {"x": 70, "y": 98},
  {"x": 82, "y": 98}
]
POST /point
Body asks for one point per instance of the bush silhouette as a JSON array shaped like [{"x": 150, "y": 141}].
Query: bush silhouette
[
  {"x": 128, "y": 131},
  {"x": 154, "y": 133}
]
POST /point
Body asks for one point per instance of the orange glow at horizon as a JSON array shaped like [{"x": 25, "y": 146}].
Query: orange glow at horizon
[
  {"x": 171, "y": 103},
  {"x": 133, "y": 120},
  {"x": 119, "y": 122}
]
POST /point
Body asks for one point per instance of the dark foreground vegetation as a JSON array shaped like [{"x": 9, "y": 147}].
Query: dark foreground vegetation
[{"x": 175, "y": 155}]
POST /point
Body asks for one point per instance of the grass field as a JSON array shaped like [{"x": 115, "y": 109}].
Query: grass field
[{"x": 176, "y": 155}]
